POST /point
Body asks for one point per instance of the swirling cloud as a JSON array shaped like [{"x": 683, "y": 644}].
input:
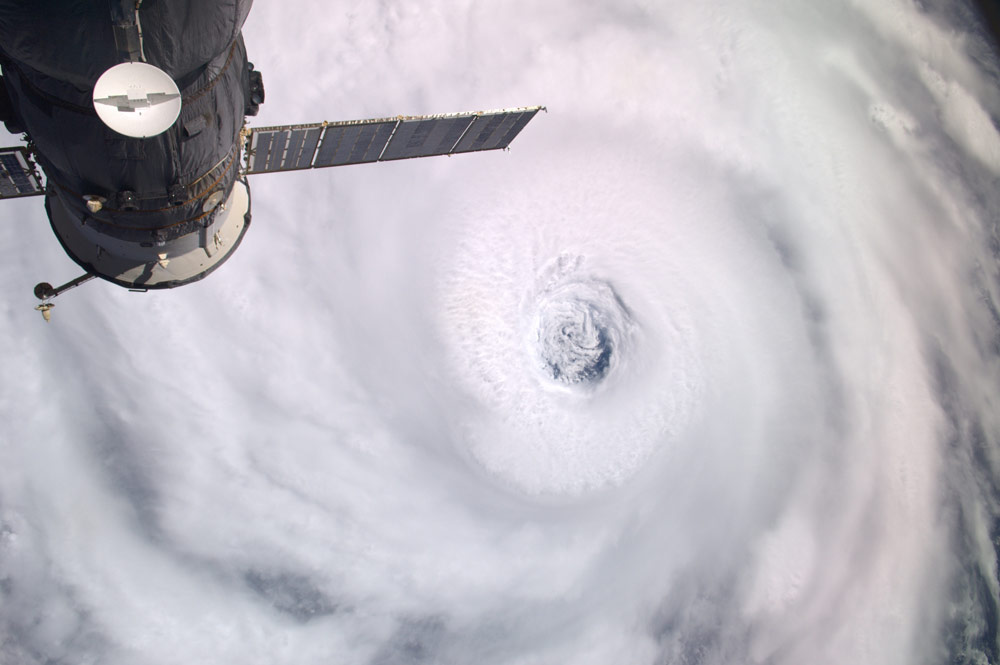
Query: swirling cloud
[{"x": 703, "y": 371}]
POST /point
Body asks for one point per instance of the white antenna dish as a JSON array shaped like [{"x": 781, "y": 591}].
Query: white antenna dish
[{"x": 137, "y": 99}]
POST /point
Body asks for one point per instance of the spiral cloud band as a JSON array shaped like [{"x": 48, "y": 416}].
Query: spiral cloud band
[{"x": 703, "y": 371}]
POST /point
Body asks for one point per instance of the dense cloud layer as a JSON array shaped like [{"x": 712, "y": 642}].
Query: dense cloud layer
[{"x": 702, "y": 371}]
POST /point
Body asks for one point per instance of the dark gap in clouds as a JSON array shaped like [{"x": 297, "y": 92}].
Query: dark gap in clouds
[
  {"x": 767, "y": 209},
  {"x": 631, "y": 15},
  {"x": 972, "y": 180},
  {"x": 700, "y": 623},
  {"x": 969, "y": 441},
  {"x": 970, "y": 629},
  {"x": 15, "y": 626},
  {"x": 291, "y": 593},
  {"x": 830, "y": 381},
  {"x": 14, "y": 650},
  {"x": 993, "y": 242},
  {"x": 985, "y": 17},
  {"x": 986, "y": 299},
  {"x": 978, "y": 19},
  {"x": 415, "y": 641},
  {"x": 124, "y": 458},
  {"x": 27, "y": 620}
]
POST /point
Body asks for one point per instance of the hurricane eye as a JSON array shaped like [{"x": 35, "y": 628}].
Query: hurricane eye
[{"x": 581, "y": 327}]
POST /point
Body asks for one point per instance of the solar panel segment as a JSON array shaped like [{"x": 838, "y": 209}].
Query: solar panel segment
[
  {"x": 353, "y": 143},
  {"x": 423, "y": 138},
  {"x": 293, "y": 147},
  {"x": 18, "y": 176}
]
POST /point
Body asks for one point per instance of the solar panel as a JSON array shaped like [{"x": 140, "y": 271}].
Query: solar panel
[
  {"x": 325, "y": 144},
  {"x": 494, "y": 131},
  {"x": 18, "y": 174},
  {"x": 302, "y": 147},
  {"x": 283, "y": 148},
  {"x": 353, "y": 143},
  {"x": 422, "y": 138}
]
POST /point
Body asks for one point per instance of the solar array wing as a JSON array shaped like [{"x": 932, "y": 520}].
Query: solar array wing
[
  {"x": 18, "y": 175},
  {"x": 293, "y": 147}
]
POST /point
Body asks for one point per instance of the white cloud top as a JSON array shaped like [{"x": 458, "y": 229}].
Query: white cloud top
[{"x": 759, "y": 236}]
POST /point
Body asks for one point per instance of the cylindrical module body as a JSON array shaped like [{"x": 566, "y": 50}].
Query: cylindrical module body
[{"x": 150, "y": 212}]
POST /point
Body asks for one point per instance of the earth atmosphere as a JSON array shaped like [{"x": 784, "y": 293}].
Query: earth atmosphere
[{"x": 703, "y": 370}]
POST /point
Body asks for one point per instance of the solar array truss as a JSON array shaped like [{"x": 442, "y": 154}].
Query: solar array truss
[
  {"x": 294, "y": 147},
  {"x": 18, "y": 174}
]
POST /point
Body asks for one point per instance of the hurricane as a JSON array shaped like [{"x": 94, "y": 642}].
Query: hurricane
[{"x": 704, "y": 369}]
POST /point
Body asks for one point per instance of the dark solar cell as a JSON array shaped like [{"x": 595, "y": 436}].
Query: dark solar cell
[
  {"x": 309, "y": 142},
  {"x": 261, "y": 149},
  {"x": 294, "y": 147}
]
